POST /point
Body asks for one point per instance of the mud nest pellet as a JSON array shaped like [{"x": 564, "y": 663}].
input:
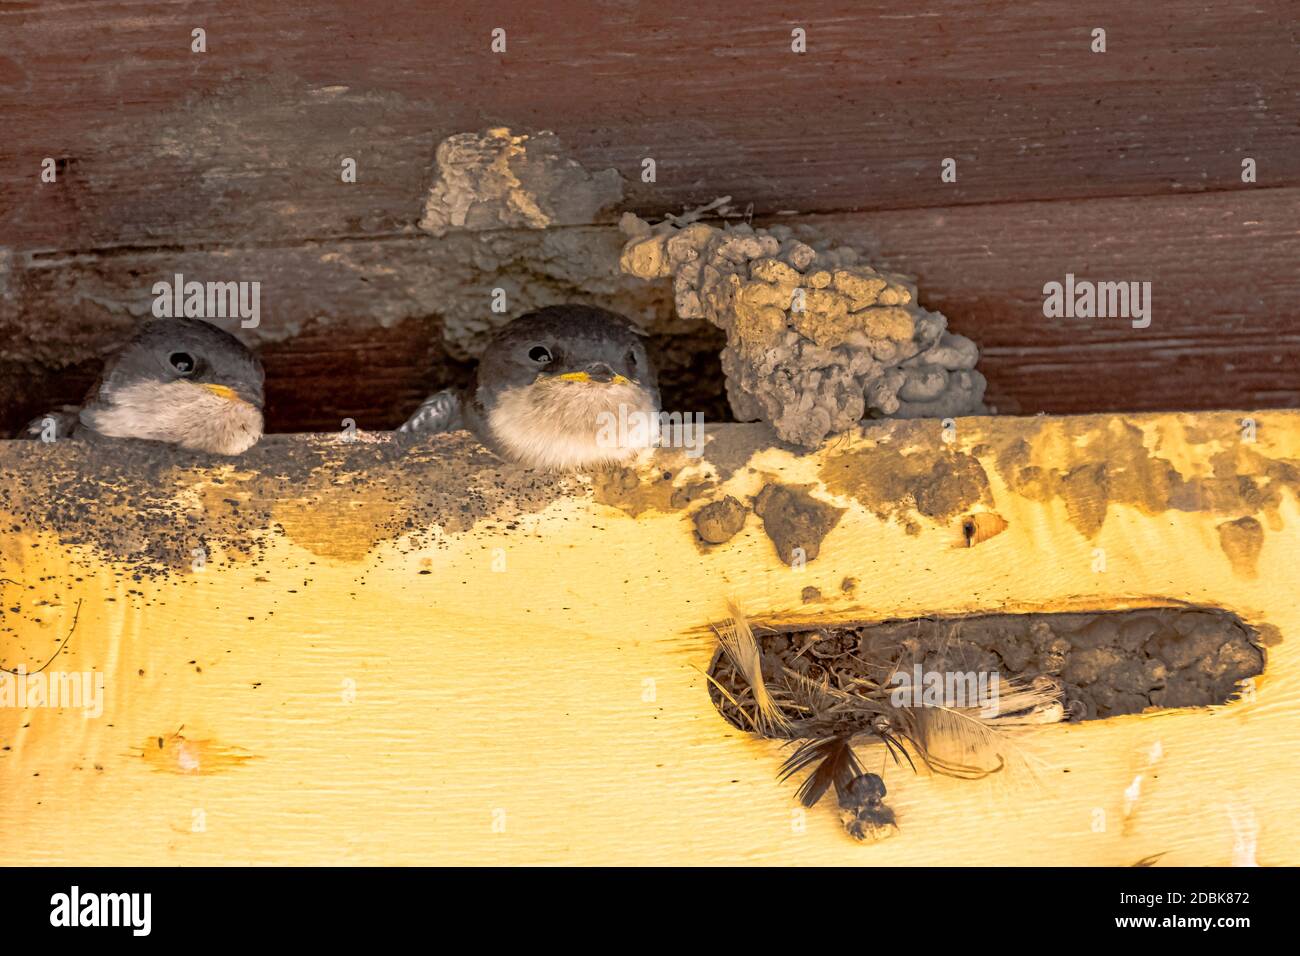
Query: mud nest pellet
[
  {"x": 829, "y": 689},
  {"x": 759, "y": 684}
]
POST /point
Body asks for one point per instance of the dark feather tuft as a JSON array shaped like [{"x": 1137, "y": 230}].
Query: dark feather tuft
[{"x": 835, "y": 761}]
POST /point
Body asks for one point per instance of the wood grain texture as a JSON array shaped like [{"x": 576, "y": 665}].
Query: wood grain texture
[
  {"x": 541, "y": 672},
  {"x": 1225, "y": 326},
  {"x": 158, "y": 146}
]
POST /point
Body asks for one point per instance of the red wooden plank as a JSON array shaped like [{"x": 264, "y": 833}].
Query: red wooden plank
[
  {"x": 355, "y": 328},
  {"x": 161, "y": 146}
]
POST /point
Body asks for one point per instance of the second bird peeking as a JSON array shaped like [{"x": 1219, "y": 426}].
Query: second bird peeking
[
  {"x": 547, "y": 386},
  {"x": 542, "y": 395}
]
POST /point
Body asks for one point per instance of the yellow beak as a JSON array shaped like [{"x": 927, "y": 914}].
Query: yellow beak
[
  {"x": 222, "y": 391},
  {"x": 584, "y": 377}
]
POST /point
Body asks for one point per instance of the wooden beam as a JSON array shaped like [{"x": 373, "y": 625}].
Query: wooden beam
[
  {"x": 362, "y": 329},
  {"x": 158, "y": 146},
  {"x": 405, "y": 655}
]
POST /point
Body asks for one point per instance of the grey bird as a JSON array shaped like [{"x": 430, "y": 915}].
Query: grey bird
[
  {"x": 565, "y": 388},
  {"x": 180, "y": 381}
]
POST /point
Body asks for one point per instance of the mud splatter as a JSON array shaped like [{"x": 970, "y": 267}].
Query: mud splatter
[
  {"x": 795, "y": 520},
  {"x": 729, "y": 449},
  {"x": 720, "y": 521},
  {"x": 1242, "y": 540},
  {"x": 497, "y": 180},
  {"x": 1093, "y": 462},
  {"x": 636, "y": 491},
  {"x": 938, "y": 483},
  {"x": 150, "y": 506}
]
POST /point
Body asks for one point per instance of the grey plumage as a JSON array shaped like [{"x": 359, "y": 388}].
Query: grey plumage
[
  {"x": 180, "y": 381},
  {"x": 440, "y": 412},
  {"x": 548, "y": 387}
]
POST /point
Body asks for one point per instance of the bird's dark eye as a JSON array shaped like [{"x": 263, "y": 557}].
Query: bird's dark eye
[
  {"x": 182, "y": 362},
  {"x": 540, "y": 354},
  {"x": 631, "y": 359}
]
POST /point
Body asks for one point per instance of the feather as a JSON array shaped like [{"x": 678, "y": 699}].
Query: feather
[
  {"x": 974, "y": 742},
  {"x": 825, "y": 719},
  {"x": 965, "y": 742},
  {"x": 440, "y": 412},
  {"x": 836, "y": 763},
  {"x": 737, "y": 640}
]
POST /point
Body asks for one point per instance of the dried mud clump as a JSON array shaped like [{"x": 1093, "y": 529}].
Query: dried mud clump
[
  {"x": 1108, "y": 663},
  {"x": 795, "y": 521},
  {"x": 832, "y": 689},
  {"x": 720, "y": 521},
  {"x": 496, "y": 180},
  {"x": 816, "y": 341},
  {"x": 800, "y": 686}
]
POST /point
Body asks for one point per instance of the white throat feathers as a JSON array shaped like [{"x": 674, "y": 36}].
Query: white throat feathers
[
  {"x": 180, "y": 412},
  {"x": 563, "y": 425}
]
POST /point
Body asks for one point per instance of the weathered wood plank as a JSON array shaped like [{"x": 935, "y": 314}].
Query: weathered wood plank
[
  {"x": 1225, "y": 323},
  {"x": 160, "y": 146},
  {"x": 364, "y": 672},
  {"x": 362, "y": 329}
]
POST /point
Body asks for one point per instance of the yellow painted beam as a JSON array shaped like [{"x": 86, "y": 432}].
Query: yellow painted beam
[{"x": 358, "y": 653}]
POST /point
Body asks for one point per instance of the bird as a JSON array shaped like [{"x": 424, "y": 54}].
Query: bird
[
  {"x": 563, "y": 388},
  {"x": 184, "y": 382}
]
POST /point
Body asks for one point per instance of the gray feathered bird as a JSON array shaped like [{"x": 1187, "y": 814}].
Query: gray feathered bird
[
  {"x": 180, "y": 381},
  {"x": 563, "y": 388}
]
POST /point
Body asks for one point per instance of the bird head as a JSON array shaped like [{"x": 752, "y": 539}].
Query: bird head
[
  {"x": 569, "y": 354},
  {"x": 184, "y": 382},
  {"x": 551, "y": 378}
]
